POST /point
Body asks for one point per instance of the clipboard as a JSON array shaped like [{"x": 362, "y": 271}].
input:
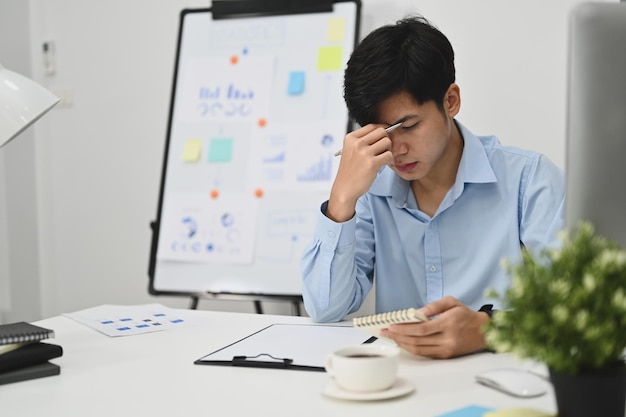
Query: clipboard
[{"x": 301, "y": 347}]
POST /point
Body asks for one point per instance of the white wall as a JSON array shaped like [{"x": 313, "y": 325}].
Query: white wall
[
  {"x": 20, "y": 296},
  {"x": 97, "y": 163}
]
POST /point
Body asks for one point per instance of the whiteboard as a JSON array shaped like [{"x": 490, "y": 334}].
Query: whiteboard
[{"x": 256, "y": 115}]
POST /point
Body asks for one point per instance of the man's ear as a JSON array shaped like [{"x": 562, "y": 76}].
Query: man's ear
[{"x": 452, "y": 100}]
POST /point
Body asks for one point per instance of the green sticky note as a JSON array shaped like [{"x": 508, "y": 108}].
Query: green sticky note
[
  {"x": 221, "y": 150},
  {"x": 329, "y": 58}
]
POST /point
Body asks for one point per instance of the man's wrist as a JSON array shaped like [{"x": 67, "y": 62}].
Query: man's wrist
[
  {"x": 488, "y": 310},
  {"x": 339, "y": 213}
]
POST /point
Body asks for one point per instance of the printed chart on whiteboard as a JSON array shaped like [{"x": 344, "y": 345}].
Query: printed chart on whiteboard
[{"x": 256, "y": 116}]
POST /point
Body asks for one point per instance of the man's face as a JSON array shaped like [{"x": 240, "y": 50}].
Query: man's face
[{"x": 422, "y": 144}]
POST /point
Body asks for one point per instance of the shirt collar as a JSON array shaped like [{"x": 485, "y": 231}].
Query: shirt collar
[{"x": 473, "y": 168}]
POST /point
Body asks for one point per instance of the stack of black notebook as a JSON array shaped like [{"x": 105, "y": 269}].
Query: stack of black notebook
[{"x": 24, "y": 355}]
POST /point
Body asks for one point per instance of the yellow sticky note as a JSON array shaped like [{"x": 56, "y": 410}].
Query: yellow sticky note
[
  {"x": 192, "y": 150},
  {"x": 329, "y": 58},
  {"x": 336, "y": 29},
  {"x": 518, "y": 412}
]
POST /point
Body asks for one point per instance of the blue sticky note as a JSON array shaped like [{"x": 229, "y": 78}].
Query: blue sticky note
[
  {"x": 469, "y": 411},
  {"x": 296, "y": 83}
]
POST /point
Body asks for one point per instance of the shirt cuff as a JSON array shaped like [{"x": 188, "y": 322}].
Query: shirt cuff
[{"x": 332, "y": 234}]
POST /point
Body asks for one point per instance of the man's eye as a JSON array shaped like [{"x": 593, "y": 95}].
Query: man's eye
[{"x": 410, "y": 126}]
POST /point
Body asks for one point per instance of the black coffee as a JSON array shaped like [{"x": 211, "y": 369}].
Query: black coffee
[{"x": 364, "y": 355}]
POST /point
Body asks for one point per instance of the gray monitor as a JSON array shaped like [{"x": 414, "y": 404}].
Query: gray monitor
[{"x": 596, "y": 119}]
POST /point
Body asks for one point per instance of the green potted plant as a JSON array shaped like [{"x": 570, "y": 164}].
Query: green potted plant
[{"x": 566, "y": 307}]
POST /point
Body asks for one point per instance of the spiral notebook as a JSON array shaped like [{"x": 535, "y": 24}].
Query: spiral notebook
[
  {"x": 375, "y": 322},
  {"x": 21, "y": 332}
]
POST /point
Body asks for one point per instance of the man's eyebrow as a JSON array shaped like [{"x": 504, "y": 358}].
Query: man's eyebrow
[{"x": 404, "y": 119}]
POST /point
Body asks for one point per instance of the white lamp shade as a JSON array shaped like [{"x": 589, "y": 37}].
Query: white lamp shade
[{"x": 22, "y": 102}]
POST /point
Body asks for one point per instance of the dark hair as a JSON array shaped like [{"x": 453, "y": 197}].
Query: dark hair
[{"x": 411, "y": 56}]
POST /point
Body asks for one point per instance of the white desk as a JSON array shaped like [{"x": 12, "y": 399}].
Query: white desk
[{"x": 153, "y": 375}]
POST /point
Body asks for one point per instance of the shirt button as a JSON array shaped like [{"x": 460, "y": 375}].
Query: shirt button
[
  {"x": 433, "y": 268},
  {"x": 331, "y": 235}
]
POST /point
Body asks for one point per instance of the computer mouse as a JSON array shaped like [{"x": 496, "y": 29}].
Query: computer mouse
[{"x": 515, "y": 382}]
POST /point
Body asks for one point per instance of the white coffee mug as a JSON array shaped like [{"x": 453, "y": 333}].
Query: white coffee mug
[{"x": 364, "y": 368}]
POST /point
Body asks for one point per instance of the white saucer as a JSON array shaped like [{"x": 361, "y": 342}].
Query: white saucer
[{"x": 399, "y": 388}]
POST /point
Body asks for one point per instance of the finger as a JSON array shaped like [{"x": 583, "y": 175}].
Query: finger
[
  {"x": 439, "y": 306},
  {"x": 430, "y": 340},
  {"x": 422, "y": 329},
  {"x": 430, "y": 351},
  {"x": 381, "y": 146},
  {"x": 363, "y": 137},
  {"x": 375, "y": 135},
  {"x": 436, "y": 346},
  {"x": 385, "y": 158},
  {"x": 362, "y": 131}
]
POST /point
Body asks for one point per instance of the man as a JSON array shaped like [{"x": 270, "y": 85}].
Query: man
[{"x": 428, "y": 210}]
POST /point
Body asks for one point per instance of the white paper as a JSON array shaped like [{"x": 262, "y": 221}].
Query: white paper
[
  {"x": 197, "y": 228},
  {"x": 119, "y": 320}
]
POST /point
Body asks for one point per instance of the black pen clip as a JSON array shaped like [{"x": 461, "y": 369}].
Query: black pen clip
[{"x": 276, "y": 363}]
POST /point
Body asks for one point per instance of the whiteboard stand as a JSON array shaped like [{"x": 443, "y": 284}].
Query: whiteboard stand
[{"x": 295, "y": 300}]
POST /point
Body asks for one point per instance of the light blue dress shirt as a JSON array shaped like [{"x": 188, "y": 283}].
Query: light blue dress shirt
[{"x": 502, "y": 198}]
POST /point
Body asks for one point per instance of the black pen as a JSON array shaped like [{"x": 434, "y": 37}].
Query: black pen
[{"x": 389, "y": 129}]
